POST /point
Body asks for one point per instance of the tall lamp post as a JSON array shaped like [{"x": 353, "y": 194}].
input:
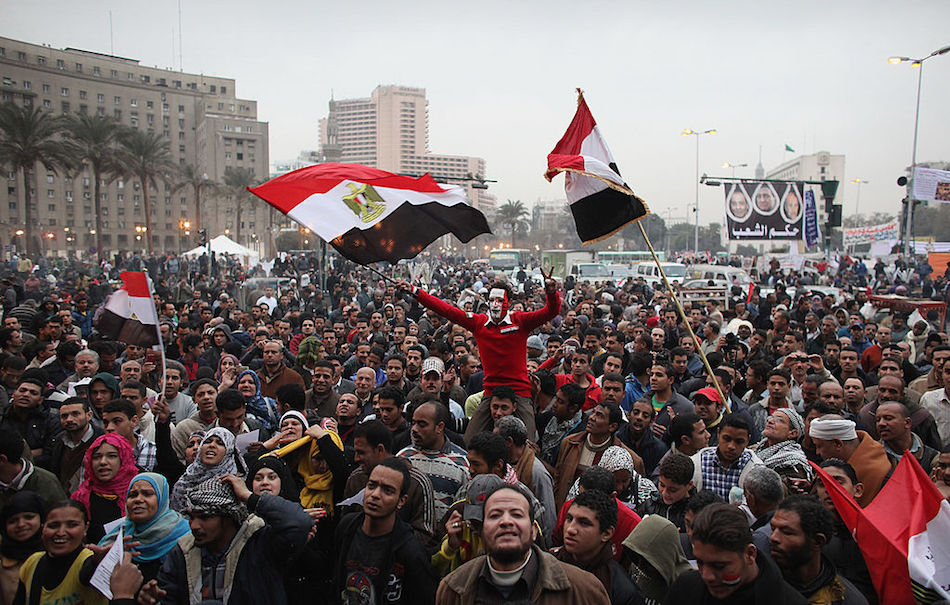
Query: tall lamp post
[
  {"x": 919, "y": 64},
  {"x": 733, "y": 166},
  {"x": 857, "y": 201},
  {"x": 687, "y": 132}
]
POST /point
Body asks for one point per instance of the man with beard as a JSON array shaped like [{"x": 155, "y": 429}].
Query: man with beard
[
  {"x": 66, "y": 456},
  {"x": 730, "y": 567},
  {"x": 513, "y": 568},
  {"x": 801, "y": 527},
  {"x": 321, "y": 398}
]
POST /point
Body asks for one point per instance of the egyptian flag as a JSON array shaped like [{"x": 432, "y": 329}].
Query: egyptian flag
[
  {"x": 600, "y": 200},
  {"x": 904, "y": 534},
  {"x": 370, "y": 215},
  {"x": 128, "y": 314}
]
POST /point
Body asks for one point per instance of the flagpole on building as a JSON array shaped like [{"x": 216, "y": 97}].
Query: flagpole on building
[{"x": 689, "y": 328}]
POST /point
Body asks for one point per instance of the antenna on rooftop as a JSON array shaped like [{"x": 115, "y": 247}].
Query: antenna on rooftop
[{"x": 111, "y": 37}]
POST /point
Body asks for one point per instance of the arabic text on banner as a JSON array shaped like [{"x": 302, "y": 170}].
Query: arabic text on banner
[
  {"x": 873, "y": 233},
  {"x": 931, "y": 185},
  {"x": 764, "y": 210}
]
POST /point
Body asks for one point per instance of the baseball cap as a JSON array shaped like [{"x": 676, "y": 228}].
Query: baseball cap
[
  {"x": 433, "y": 364},
  {"x": 478, "y": 490},
  {"x": 709, "y": 393},
  {"x": 858, "y": 325}
]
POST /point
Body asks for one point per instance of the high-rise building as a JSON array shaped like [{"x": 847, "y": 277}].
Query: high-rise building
[
  {"x": 390, "y": 131},
  {"x": 201, "y": 117}
]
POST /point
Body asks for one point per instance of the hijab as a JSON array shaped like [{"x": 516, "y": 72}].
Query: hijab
[
  {"x": 288, "y": 487},
  {"x": 263, "y": 408},
  {"x": 198, "y": 471},
  {"x": 22, "y": 502},
  {"x": 318, "y": 488},
  {"x": 159, "y": 534},
  {"x": 118, "y": 486},
  {"x": 218, "y": 374}
]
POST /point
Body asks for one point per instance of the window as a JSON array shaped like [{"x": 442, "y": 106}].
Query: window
[
  {"x": 227, "y": 155},
  {"x": 117, "y": 113},
  {"x": 240, "y": 156},
  {"x": 85, "y": 181},
  {"x": 214, "y": 89},
  {"x": 181, "y": 109},
  {"x": 101, "y": 98},
  {"x": 146, "y": 79},
  {"x": 39, "y": 60},
  {"x": 134, "y": 102},
  {"x": 131, "y": 76},
  {"x": 181, "y": 123},
  {"x": 96, "y": 71},
  {"x": 150, "y": 104},
  {"x": 26, "y": 85},
  {"x": 176, "y": 83},
  {"x": 82, "y": 94},
  {"x": 65, "y": 106},
  {"x": 114, "y": 73},
  {"x": 51, "y": 208},
  {"x": 79, "y": 67},
  {"x": 64, "y": 92},
  {"x": 21, "y": 56},
  {"x": 50, "y": 178},
  {"x": 84, "y": 109},
  {"x": 120, "y": 197},
  {"x": 51, "y": 193},
  {"x": 46, "y": 88},
  {"x": 224, "y": 90},
  {"x": 12, "y": 205},
  {"x": 60, "y": 64},
  {"x": 117, "y": 100},
  {"x": 69, "y": 196}
]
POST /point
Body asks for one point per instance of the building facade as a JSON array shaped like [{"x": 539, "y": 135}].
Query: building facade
[
  {"x": 205, "y": 123},
  {"x": 389, "y": 130}
]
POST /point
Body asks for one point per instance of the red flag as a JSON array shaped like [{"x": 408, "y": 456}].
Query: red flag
[
  {"x": 748, "y": 299},
  {"x": 904, "y": 534}
]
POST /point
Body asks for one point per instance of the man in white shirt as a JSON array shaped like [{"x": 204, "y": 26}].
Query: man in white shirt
[
  {"x": 268, "y": 299},
  {"x": 937, "y": 402}
]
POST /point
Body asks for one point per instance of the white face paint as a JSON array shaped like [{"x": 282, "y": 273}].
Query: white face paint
[{"x": 496, "y": 303}]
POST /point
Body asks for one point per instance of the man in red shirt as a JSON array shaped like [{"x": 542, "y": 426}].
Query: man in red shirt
[
  {"x": 580, "y": 375},
  {"x": 502, "y": 339}
]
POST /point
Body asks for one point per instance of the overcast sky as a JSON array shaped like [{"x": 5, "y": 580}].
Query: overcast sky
[{"x": 500, "y": 78}]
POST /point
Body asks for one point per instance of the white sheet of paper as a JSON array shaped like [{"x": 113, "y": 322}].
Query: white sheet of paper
[
  {"x": 246, "y": 439},
  {"x": 108, "y": 527},
  {"x": 102, "y": 575},
  {"x": 354, "y": 499}
]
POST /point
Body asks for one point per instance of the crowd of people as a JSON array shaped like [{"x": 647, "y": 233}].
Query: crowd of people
[{"x": 465, "y": 438}]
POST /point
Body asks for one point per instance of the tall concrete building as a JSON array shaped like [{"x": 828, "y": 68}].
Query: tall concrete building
[
  {"x": 389, "y": 130},
  {"x": 201, "y": 117}
]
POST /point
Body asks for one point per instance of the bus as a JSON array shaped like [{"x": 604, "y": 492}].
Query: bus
[
  {"x": 505, "y": 259},
  {"x": 627, "y": 257}
]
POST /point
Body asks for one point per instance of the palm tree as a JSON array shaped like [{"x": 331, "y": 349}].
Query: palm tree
[
  {"x": 512, "y": 214},
  {"x": 146, "y": 156},
  {"x": 236, "y": 182},
  {"x": 93, "y": 140},
  {"x": 29, "y": 136},
  {"x": 192, "y": 176}
]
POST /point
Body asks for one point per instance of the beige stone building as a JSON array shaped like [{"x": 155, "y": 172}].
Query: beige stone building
[
  {"x": 390, "y": 131},
  {"x": 202, "y": 118}
]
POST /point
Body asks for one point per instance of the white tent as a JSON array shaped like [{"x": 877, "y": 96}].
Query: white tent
[{"x": 225, "y": 245}]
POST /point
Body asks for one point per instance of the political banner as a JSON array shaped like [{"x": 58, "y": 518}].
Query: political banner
[
  {"x": 873, "y": 233},
  {"x": 812, "y": 235},
  {"x": 764, "y": 210},
  {"x": 931, "y": 185}
]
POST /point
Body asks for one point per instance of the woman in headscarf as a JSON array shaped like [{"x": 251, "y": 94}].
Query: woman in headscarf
[
  {"x": 150, "y": 522},
  {"x": 322, "y": 470},
  {"x": 52, "y": 576},
  {"x": 292, "y": 426},
  {"x": 108, "y": 466},
  {"x": 21, "y": 522},
  {"x": 216, "y": 457},
  {"x": 631, "y": 487},
  {"x": 270, "y": 475},
  {"x": 227, "y": 370},
  {"x": 263, "y": 408}
]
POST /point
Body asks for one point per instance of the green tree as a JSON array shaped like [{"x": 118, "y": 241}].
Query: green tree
[
  {"x": 29, "y": 136},
  {"x": 145, "y": 156},
  {"x": 94, "y": 141},
  {"x": 236, "y": 182},
  {"x": 197, "y": 180},
  {"x": 513, "y": 215}
]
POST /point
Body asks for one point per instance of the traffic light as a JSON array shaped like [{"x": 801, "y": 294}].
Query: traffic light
[
  {"x": 834, "y": 215},
  {"x": 202, "y": 237}
]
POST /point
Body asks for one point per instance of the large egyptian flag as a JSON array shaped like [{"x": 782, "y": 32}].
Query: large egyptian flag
[
  {"x": 371, "y": 215},
  {"x": 128, "y": 314},
  {"x": 600, "y": 200},
  {"x": 904, "y": 534}
]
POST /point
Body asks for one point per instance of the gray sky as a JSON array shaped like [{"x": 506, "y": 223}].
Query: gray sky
[{"x": 500, "y": 78}]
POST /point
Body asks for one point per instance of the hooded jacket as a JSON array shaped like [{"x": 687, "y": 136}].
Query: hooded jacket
[{"x": 657, "y": 541}]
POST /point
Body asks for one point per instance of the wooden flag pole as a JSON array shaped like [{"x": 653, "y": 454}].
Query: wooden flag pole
[
  {"x": 679, "y": 307},
  {"x": 385, "y": 277}
]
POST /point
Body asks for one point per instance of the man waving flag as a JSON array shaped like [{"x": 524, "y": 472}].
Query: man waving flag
[{"x": 600, "y": 200}]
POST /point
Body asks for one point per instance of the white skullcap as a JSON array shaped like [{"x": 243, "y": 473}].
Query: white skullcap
[{"x": 832, "y": 427}]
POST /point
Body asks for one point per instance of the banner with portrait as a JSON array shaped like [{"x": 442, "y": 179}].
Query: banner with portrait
[{"x": 764, "y": 210}]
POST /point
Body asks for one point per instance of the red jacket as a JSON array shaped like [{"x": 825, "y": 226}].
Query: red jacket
[
  {"x": 593, "y": 390},
  {"x": 503, "y": 346}
]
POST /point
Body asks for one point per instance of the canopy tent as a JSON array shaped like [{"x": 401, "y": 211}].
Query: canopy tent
[{"x": 225, "y": 245}]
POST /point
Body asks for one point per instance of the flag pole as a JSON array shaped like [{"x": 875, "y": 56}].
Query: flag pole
[
  {"x": 387, "y": 278},
  {"x": 158, "y": 330},
  {"x": 682, "y": 313}
]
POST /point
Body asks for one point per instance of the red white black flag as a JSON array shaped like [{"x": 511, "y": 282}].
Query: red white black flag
[
  {"x": 371, "y": 215},
  {"x": 128, "y": 314},
  {"x": 600, "y": 200}
]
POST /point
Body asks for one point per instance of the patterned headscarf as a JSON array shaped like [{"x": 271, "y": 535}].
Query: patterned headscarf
[
  {"x": 212, "y": 497},
  {"x": 198, "y": 471},
  {"x": 116, "y": 487},
  {"x": 219, "y": 373},
  {"x": 159, "y": 534},
  {"x": 263, "y": 408}
]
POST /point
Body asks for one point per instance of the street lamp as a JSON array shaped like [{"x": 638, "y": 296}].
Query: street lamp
[
  {"x": 687, "y": 132},
  {"x": 857, "y": 201},
  {"x": 733, "y": 166},
  {"x": 919, "y": 64}
]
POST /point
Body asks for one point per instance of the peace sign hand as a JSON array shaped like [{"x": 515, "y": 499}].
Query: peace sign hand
[{"x": 550, "y": 285}]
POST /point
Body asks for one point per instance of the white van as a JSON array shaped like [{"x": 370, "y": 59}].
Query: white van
[
  {"x": 675, "y": 272},
  {"x": 720, "y": 275}
]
